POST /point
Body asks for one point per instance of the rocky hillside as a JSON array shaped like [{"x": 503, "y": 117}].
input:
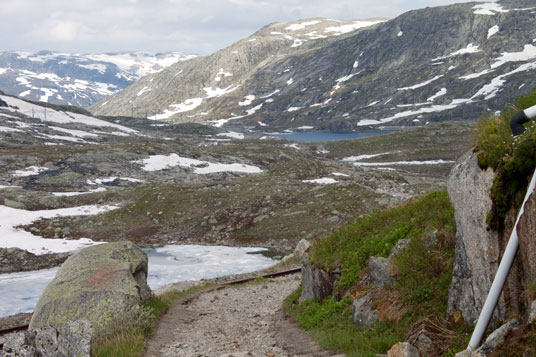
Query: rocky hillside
[
  {"x": 451, "y": 62},
  {"x": 77, "y": 79},
  {"x": 190, "y": 183}
]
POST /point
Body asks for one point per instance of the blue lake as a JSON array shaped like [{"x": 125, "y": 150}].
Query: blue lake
[{"x": 318, "y": 137}]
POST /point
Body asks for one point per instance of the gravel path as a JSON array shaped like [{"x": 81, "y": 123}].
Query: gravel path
[{"x": 234, "y": 321}]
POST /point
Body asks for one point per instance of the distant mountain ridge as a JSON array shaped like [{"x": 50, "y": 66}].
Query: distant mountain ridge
[
  {"x": 77, "y": 79},
  {"x": 451, "y": 62}
]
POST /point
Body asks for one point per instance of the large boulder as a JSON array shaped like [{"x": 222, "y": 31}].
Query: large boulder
[
  {"x": 316, "y": 283},
  {"x": 477, "y": 248},
  {"x": 104, "y": 284}
]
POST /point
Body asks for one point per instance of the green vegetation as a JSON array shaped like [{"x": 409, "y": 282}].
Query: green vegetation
[
  {"x": 350, "y": 247},
  {"x": 130, "y": 342},
  {"x": 424, "y": 273},
  {"x": 513, "y": 159}
]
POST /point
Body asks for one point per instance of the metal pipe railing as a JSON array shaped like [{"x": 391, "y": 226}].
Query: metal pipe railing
[{"x": 516, "y": 124}]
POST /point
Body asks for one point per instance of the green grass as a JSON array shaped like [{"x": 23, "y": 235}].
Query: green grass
[
  {"x": 330, "y": 323},
  {"x": 130, "y": 341},
  {"x": 349, "y": 248},
  {"x": 424, "y": 273},
  {"x": 513, "y": 159}
]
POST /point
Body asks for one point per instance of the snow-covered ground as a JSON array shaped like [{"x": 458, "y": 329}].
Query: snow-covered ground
[
  {"x": 161, "y": 162},
  {"x": 19, "y": 292},
  {"x": 10, "y": 236}
]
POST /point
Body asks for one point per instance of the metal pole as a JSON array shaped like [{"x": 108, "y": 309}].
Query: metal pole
[
  {"x": 500, "y": 277},
  {"x": 516, "y": 124}
]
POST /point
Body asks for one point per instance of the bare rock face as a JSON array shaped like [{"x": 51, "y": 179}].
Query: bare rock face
[
  {"x": 526, "y": 231},
  {"x": 362, "y": 312},
  {"x": 316, "y": 283},
  {"x": 105, "y": 284},
  {"x": 477, "y": 249}
]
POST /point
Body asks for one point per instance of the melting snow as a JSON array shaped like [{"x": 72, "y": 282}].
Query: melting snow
[
  {"x": 491, "y": 89},
  {"x": 187, "y": 105},
  {"x": 427, "y": 162},
  {"x": 488, "y": 8},
  {"x": 19, "y": 292},
  {"x": 441, "y": 92},
  {"x": 29, "y": 171},
  {"x": 60, "y": 194},
  {"x": 294, "y": 109},
  {"x": 302, "y": 25},
  {"x": 232, "y": 134},
  {"x": 339, "y": 174},
  {"x": 422, "y": 84},
  {"x": 221, "y": 74},
  {"x": 469, "y": 49},
  {"x": 51, "y": 115},
  {"x": 218, "y": 92},
  {"x": 248, "y": 100},
  {"x": 493, "y": 30},
  {"x": 528, "y": 53},
  {"x": 363, "y": 157},
  {"x": 8, "y": 129},
  {"x": 13, "y": 237},
  {"x": 322, "y": 181},
  {"x": 143, "y": 90},
  {"x": 161, "y": 162},
  {"x": 290, "y": 81},
  {"x": 476, "y": 75},
  {"x": 400, "y": 33},
  {"x": 339, "y": 30}
]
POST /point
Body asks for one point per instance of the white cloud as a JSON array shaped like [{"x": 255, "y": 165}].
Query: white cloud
[{"x": 192, "y": 26}]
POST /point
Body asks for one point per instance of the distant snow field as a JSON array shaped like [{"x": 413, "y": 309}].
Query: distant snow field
[
  {"x": 18, "y": 238},
  {"x": 162, "y": 162}
]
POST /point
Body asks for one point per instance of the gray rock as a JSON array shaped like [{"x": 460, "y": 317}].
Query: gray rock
[
  {"x": 379, "y": 269},
  {"x": 104, "y": 284},
  {"x": 477, "y": 248},
  {"x": 464, "y": 353},
  {"x": 316, "y": 283},
  {"x": 18, "y": 345},
  {"x": 74, "y": 338},
  {"x": 362, "y": 312},
  {"x": 496, "y": 337},
  {"x": 532, "y": 312},
  {"x": 403, "y": 349},
  {"x": 302, "y": 246},
  {"x": 71, "y": 340}
]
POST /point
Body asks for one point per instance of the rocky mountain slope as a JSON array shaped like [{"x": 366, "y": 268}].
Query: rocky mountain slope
[
  {"x": 77, "y": 79},
  {"x": 451, "y": 62},
  {"x": 156, "y": 183}
]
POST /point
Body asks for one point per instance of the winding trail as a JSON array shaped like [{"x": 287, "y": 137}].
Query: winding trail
[{"x": 245, "y": 320}]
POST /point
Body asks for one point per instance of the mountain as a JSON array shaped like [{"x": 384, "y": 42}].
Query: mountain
[
  {"x": 451, "y": 62},
  {"x": 77, "y": 79}
]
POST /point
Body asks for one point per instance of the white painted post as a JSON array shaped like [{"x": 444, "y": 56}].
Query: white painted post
[
  {"x": 500, "y": 277},
  {"x": 508, "y": 256}
]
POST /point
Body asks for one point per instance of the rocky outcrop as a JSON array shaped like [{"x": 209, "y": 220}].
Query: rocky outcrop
[
  {"x": 477, "y": 248},
  {"x": 72, "y": 339},
  {"x": 103, "y": 284},
  {"x": 316, "y": 283},
  {"x": 362, "y": 312},
  {"x": 381, "y": 270}
]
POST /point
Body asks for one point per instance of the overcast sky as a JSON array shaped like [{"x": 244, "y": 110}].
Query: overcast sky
[{"x": 189, "y": 26}]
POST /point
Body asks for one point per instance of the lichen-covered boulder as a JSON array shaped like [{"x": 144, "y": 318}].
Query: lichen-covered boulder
[{"x": 104, "y": 284}]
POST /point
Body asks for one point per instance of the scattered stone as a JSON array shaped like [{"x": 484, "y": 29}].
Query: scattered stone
[
  {"x": 105, "y": 284},
  {"x": 362, "y": 312},
  {"x": 403, "y": 349}
]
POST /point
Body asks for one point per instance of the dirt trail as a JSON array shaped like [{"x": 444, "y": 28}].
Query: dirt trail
[{"x": 234, "y": 321}]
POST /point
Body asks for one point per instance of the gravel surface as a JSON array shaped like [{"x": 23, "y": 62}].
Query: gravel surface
[{"x": 244, "y": 320}]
